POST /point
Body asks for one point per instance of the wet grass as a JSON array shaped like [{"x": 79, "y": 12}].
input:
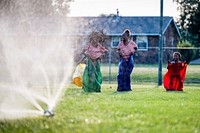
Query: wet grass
[{"x": 147, "y": 108}]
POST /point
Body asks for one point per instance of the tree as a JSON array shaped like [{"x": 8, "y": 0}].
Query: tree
[
  {"x": 35, "y": 15},
  {"x": 34, "y": 7},
  {"x": 194, "y": 25},
  {"x": 189, "y": 22},
  {"x": 187, "y": 54}
]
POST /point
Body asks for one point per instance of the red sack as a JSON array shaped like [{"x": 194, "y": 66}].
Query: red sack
[{"x": 175, "y": 76}]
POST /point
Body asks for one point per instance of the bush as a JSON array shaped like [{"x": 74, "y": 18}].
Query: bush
[{"x": 187, "y": 54}]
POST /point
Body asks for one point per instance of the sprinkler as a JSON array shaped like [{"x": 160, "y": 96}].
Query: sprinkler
[{"x": 48, "y": 113}]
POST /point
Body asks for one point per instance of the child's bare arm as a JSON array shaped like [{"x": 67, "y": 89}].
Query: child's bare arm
[
  {"x": 82, "y": 60},
  {"x": 119, "y": 52}
]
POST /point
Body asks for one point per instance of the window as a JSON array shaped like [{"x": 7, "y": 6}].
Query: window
[
  {"x": 142, "y": 43},
  {"x": 115, "y": 41}
]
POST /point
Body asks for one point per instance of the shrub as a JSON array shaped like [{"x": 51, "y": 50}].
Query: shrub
[{"x": 187, "y": 53}]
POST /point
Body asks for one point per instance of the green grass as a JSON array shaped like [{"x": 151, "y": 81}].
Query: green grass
[
  {"x": 148, "y": 74},
  {"x": 147, "y": 108}
]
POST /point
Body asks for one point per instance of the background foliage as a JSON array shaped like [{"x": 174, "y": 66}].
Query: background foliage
[
  {"x": 34, "y": 7},
  {"x": 189, "y": 21}
]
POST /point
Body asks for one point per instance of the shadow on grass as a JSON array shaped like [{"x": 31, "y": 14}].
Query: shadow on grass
[
  {"x": 120, "y": 92},
  {"x": 175, "y": 91}
]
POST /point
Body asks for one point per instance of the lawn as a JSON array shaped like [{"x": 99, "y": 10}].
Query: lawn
[
  {"x": 148, "y": 108},
  {"x": 148, "y": 74}
]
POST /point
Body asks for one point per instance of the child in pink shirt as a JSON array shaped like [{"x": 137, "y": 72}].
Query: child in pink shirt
[
  {"x": 92, "y": 77},
  {"x": 94, "y": 52},
  {"x": 126, "y": 50}
]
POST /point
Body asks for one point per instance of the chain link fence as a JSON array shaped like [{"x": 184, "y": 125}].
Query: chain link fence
[{"x": 146, "y": 65}]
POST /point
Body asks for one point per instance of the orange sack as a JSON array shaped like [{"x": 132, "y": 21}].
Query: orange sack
[{"x": 77, "y": 76}]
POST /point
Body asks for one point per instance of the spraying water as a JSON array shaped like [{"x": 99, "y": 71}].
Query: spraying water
[{"x": 36, "y": 63}]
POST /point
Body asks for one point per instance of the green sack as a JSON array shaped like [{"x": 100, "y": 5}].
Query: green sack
[{"x": 92, "y": 77}]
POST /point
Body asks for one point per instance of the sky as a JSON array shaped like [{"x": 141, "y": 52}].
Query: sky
[{"x": 125, "y": 7}]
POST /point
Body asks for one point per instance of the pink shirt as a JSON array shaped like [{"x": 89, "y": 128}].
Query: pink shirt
[
  {"x": 126, "y": 50},
  {"x": 94, "y": 52}
]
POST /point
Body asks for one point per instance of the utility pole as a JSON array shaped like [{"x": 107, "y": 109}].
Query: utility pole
[{"x": 160, "y": 45}]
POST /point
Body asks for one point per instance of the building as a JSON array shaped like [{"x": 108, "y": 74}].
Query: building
[
  {"x": 75, "y": 30},
  {"x": 145, "y": 32}
]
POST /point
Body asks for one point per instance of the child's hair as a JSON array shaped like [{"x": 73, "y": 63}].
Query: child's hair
[
  {"x": 127, "y": 31},
  {"x": 177, "y": 54},
  {"x": 95, "y": 35}
]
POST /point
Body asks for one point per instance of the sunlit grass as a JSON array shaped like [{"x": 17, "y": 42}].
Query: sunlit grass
[
  {"x": 148, "y": 74},
  {"x": 148, "y": 108}
]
